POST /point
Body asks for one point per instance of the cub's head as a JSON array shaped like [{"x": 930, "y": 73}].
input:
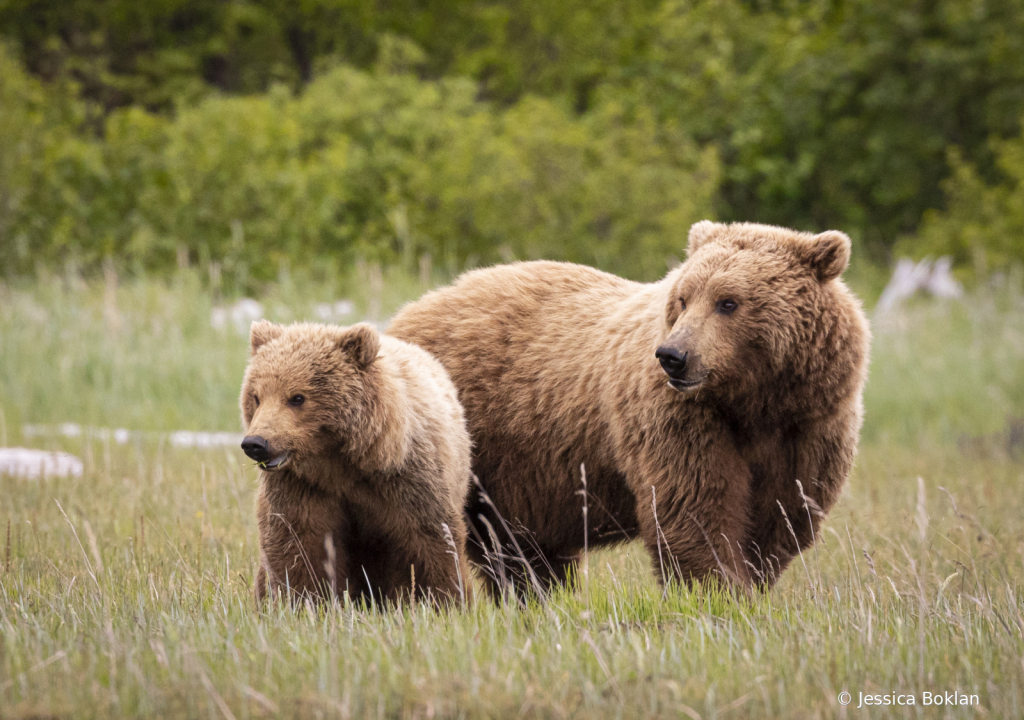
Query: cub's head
[
  {"x": 304, "y": 389},
  {"x": 755, "y": 307}
]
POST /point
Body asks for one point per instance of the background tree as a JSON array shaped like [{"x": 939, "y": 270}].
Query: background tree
[{"x": 817, "y": 113}]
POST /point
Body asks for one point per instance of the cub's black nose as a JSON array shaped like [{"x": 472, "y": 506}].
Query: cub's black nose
[
  {"x": 672, "y": 362},
  {"x": 256, "y": 447}
]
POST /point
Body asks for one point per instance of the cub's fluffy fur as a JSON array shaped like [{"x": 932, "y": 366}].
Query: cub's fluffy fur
[{"x": 367, "y": 464}]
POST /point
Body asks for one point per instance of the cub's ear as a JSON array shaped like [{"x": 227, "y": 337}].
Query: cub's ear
[
  {"x": 700, "y": 233},
  {"x": 362, "y": 342},
  {"x": 262, "y": 332},
  {"x": 827, "y": 254}
]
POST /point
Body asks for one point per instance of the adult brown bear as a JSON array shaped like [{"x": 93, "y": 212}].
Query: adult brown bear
[{"x": 716, "y": 412}]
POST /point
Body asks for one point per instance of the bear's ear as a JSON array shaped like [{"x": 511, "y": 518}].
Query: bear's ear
[
  {"x": 700, "y": 233},
  {"x": 262, "y": 332},
  {"x": 827, "y": 254},
  {"x": 362, "y": 342}
]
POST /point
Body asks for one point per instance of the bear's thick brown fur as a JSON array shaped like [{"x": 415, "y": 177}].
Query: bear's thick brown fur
[
  {"x": 556, "y": 369},
  {"x": 366, "y": 460}
]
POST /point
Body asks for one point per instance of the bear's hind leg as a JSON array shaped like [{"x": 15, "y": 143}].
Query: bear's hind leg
[
  {"x": 512, "y": 561},
  {"x": 520, "y": 567}
]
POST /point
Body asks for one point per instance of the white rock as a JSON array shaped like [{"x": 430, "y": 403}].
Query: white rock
[
  {"x": 941, "y": 282},
  {"x": 179, "y": 438},
  {"x": 935, "y": 278},
  {"x": 329, "y": 312},
  {"x": 33, "y": 464},
  {"x": 35, "y": 430},
  {"x": 70, "y": 430},
  {"x": 187, "y": 438},
  {"x": 241, "y": 315},
  {"x": 218, "y": 318}
]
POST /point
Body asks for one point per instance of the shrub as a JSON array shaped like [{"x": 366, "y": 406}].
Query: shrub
[
  {"x": 983, "y": 224},
  {"x": 836, "y": 113},
  {"x": 382, "y": 166}
]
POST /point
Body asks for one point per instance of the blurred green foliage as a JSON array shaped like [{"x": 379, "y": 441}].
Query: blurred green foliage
[
  {"x": 380, "y": 166},
  {"x": 838, "y": 113},
  {"x": 983, "y": 225},
  {"x": 154, "y": 53},
  {"x": 251, "y": 131}
]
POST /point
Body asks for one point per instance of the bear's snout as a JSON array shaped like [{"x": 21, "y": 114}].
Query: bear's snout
[
  {"x": 256, "y": 447},
  {"x": 684, "y": 368},
  {"x": 672, "y": 361}
]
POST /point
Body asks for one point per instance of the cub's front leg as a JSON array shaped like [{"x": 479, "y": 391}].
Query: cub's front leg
[
  {"x": 442, "y": 570},
  {"x": 302, "y": 547}
]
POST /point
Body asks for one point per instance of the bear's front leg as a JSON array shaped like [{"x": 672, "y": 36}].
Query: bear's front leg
[
  {"x": 789, "y": 510},
  {"x": 301, "y": 550},
  {"x": 693, "y": 504}
]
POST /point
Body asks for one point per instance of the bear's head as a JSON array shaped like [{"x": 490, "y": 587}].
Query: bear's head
[
  {"x": 305, "y": 390},
  {"x": 758, "y": 312}
]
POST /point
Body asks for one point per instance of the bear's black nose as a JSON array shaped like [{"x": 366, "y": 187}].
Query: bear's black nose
[
  {"x": 256, "y": 447},
  {"x": 672, "y": 362}
]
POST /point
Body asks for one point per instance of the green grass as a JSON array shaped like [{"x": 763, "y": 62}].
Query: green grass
[
  {"x": 143, "y": 355},
  {"x": 126, "y": 592}
]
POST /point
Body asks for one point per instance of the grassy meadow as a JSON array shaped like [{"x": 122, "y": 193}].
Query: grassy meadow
[{"x": 126, "y": 592}]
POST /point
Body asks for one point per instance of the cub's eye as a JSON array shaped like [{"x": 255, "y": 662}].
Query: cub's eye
[
  {"x": 682, "y": 303},
  {"x": 257, "y": 399},
  {"x": 727, "y": 307},
  {"x": 296, "y": 400}
]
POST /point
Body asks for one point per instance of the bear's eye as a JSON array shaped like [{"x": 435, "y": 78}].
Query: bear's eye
[
  {"x": 257, "y": 399},
  {"x": 296, "y": 400},
  {"x": 727, "y": 307},
  {"x": 682, "y": 303}
]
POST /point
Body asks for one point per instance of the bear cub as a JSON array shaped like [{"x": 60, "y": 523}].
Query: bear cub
[{"x": 365, "y": 465}]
